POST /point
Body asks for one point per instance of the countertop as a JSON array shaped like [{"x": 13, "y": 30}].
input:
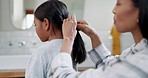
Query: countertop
[{"x": 15, "y": 73}]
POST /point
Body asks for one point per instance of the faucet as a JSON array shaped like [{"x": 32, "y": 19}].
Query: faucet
[
  {"x": 21, "y": 43},
  {"x": 10, "y": 43}
]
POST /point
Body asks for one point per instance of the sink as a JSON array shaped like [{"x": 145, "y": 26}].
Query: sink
[{"x": 14, "y": 62}]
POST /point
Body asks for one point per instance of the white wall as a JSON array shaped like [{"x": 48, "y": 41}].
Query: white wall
[
  {"x": 99, "y": 14},
  {"x": 5, "y": 19},
  {"x": 0, "y": 12}
]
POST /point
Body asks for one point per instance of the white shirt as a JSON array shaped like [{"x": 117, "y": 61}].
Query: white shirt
[
  {"x": 132, "y": 63},
  {"x": 40, "y": 62}
]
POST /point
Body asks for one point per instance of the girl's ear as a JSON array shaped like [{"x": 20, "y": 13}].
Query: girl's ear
[{"x": 46, "y": 24}]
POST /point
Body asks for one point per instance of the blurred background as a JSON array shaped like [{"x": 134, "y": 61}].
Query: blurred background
[{"x": 18, "y": 38}]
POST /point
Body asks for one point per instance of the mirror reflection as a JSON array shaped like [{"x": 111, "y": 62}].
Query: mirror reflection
[
  {"x": 22, "y": 11},
  {"x": 21, "y": 15}
]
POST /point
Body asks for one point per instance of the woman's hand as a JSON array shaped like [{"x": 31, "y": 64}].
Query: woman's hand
[
  {"x": 89, "y": 31},
  {"x": 83, "y": 26},
  {"x": 69, "y": 32}
]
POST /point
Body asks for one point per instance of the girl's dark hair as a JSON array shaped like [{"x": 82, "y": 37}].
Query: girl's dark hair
[
  {"x": 56, "y": 11},
  {"x": 142, "y": 5}
]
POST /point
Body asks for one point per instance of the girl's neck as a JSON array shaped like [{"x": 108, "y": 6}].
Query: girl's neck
[{"x": 57, "y": 35}]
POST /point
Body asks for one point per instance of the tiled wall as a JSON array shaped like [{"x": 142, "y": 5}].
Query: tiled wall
[
  {"x": 18, "y": 42},
  {"x": 23, "y": 42}
]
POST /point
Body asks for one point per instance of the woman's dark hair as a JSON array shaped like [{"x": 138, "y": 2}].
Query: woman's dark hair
[
  {"x": 56, "y": 11},
  {"x": 142, "y": 5}
]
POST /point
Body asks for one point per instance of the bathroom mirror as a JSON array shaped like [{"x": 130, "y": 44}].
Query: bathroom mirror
[{"x": 22, "y": 11}]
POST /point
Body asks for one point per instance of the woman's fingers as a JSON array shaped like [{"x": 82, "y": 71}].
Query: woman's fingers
[
  {"x": 82, "y": 22},
  {"x": 81, "y": 25}
]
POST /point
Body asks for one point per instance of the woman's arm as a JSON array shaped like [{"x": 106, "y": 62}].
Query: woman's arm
[
  {"x": 89, "y": 31},
  {"x": 99, "y": 54}
]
